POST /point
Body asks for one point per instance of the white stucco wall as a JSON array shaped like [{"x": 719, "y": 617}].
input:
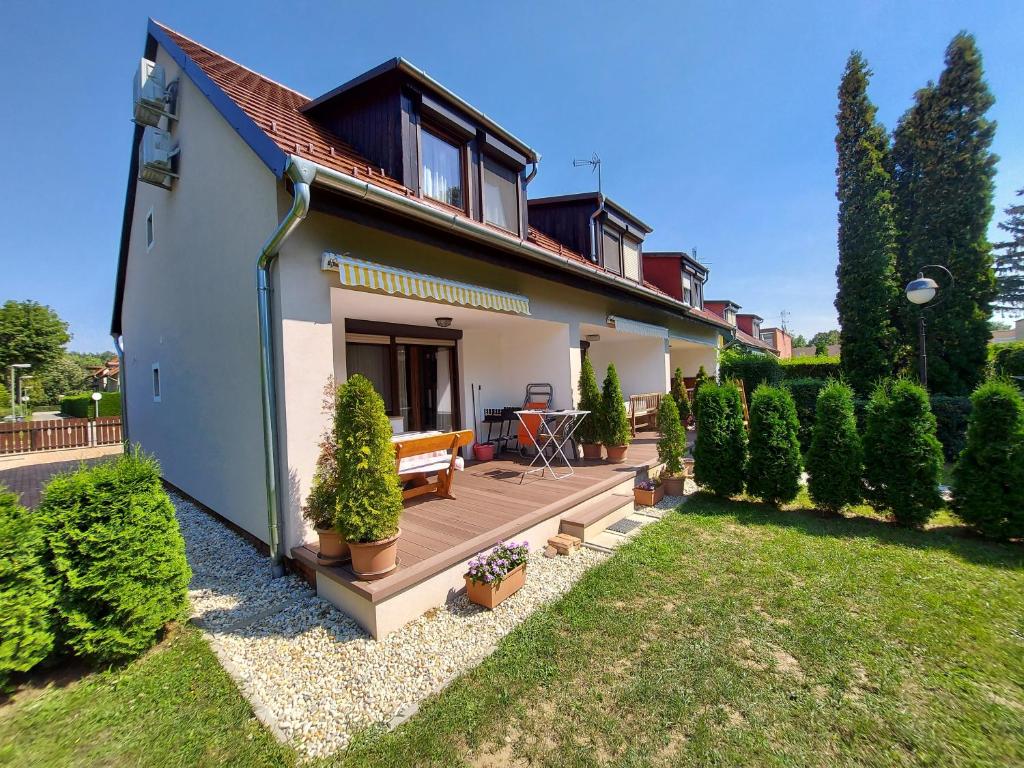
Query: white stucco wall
[
  {"x": 691, "y": 358},
  {"x": 641, "y": 362},
  {"x": 190, "y": 306}
]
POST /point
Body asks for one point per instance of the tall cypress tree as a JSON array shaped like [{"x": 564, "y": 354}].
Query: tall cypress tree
[
  {"x": 866, "y": 274},
  {"x": 1009, "y": 261},
  {"x": 943, "y": 172}
]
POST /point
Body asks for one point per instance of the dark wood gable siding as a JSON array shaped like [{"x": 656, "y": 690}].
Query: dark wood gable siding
[{"x": 568, "y": 222}]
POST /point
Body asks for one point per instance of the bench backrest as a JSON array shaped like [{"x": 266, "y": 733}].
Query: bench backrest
[
  {"x": 649, "y": 401},
  {"x": 448, "y": 441}
]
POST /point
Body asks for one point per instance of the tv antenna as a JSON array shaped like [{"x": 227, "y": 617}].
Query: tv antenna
[
  {"x": 784, "y": 318},
  {"x": 595, "y": 165}
]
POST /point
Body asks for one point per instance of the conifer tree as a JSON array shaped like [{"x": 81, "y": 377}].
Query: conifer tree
[
  {"x": 1009, "y": 261},
  {"x": 589, "y": 430},
  {"x": 720, "y": 453},
  {"x": 773, "y": 469},
  {"x": 866, "y": 274},
  {"x": 943, "y": 181},
  {"x": 835, "y": 460},
  {"x": 682, "y": 399}
]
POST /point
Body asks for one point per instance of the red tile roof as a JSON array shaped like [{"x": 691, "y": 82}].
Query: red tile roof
[
  {"x": 275, "y": 109},
  {"x": 709, "y": 316},
  {"x": 752, "y": 341}
]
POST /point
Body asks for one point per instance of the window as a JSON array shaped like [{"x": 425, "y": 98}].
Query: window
[
  {"x": 149, "y": 229},
  {"x": 156, "y": 382},
  {"x": 687, "y": 290},
  {"x": 730, "y": 317},
  {"x": 501, "y": 196},
  {"x": 442, "y": 169},
  {"x": 374, "y": 362},
  {"x": 611, "y": 247},
  {"x": 755, "y": 327},
  {"x": 631, "y": 259}
]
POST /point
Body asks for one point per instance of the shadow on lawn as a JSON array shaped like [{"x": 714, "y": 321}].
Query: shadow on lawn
[{"x": 956, "y": 540}]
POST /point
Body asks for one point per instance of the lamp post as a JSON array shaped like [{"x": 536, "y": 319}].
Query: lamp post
[
  {"x": 921, "y": 291},
  {"x": 14, "y": 389}
]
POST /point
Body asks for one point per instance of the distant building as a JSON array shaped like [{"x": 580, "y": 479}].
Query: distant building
[
  {"x": 106, "y": 377},
  {"x": 1009, "y": 335},
  {"x": 833, "y": 351},
  {"x": 781, "y": 341}
]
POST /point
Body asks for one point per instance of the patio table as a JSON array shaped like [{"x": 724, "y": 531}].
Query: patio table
[{"x": 554, "y": 431}]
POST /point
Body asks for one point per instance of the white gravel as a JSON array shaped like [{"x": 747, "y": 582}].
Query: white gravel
[{"x": 313, "y": 675}]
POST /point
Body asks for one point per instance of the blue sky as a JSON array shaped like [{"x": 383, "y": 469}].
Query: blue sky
[{"x": 715, "y": 121}]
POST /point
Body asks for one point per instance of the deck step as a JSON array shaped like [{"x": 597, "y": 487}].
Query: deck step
[{"x": 590, "y": 518}]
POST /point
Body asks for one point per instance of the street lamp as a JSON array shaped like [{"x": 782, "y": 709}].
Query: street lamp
[
  {"x": 921, "y": 291},
  {"x": 13, "y": 388}
]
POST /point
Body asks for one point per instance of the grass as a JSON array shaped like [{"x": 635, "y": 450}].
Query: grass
[
  {"x": 729, "y": 634},
  {"x": 173, "y": 707}
]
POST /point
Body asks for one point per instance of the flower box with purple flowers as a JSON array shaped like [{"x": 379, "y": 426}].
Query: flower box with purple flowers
[
  {"x": 647, "y": 493},
  {"x": 497, "y": 574}
]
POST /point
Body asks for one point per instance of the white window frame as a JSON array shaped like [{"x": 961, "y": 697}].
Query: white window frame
[
  {"x": 157, "y": 383},
  {"x": 150, "y": 230}
]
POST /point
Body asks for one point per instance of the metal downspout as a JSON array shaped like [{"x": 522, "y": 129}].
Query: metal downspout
[
  {"x": 122, "y": 387},
  {"x": 593, "y": 227},
  {"x": 301, "y": 175},
  {"x": 533, "y": 172}
]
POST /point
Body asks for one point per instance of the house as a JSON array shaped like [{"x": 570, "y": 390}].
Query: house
[
  {"x": 780, "y": 340},
  {"x": 746, "y": 327},
  {"x": 106, "y": 377},
  {"x": 1008, "y": 335},
  {"x": 388, "y": 225}
]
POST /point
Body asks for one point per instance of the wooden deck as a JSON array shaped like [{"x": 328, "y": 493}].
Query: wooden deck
[{"x": 493, "y": 501}]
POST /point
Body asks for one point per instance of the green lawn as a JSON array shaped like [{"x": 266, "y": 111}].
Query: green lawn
[{"x": 728, "y": 634}]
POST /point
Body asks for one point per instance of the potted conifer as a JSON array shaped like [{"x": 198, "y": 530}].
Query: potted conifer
[
  {"x": 679, "y": 394},
  {"x": 321, "y": 504},
  {"x": 614, "y": 421},
  {"x": 589, "y": 430},
  {"x": 369, "y": 499},
  {"x": 671, "y": 445}
]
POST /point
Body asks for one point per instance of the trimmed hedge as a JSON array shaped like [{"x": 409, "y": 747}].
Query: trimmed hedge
[
  {"x": 805, "y": 398},
  {"x": 369, "y": 495},
  {"x": 720, "y": 453},
  {"x": 116, "y": 556},
  {"x": 1008, "y": 360},
  {"x": 902, "y": 455},
  {"x": 26, "y": 594},
  {"x": 952, "y": 413},
  {"x": 753, "y": 370},
  {"x": 811, "y": 368},
  {"x": 835, "y": 461},
  {"x": 988, "y": 481},
  {"x": 773, "y": 469},
  {"x": 81, "y": 405}
]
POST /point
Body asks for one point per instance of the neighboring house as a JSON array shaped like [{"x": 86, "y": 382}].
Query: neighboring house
[
  {"x": 105, "y": 378},
  {"x": 746, "y": 328},
  {"x": 780, "y": 340},
  {"x": 1009, "y": 335},
  {"x": 833, "y": 350},
  {"x": 389, "y": 226}
]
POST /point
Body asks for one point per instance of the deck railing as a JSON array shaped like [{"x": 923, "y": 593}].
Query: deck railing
[{"x": 29, "y": 436}]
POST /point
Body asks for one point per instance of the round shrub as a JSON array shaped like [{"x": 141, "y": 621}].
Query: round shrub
[
  {"x": 835, "y": 461},
  {"x": 614, "y": 419},
  {"x": 26, "y": 594},
  {"x": 773, "y": 467},
  {"x": 720, "y": 453},
  {"x": 672, "y": 442},
  {"x": 589, "y": 430},
  {"x": 678, "y": 393},
  {"x": 117, "y": 556},
  {"x": 902, "y": 455},
  {"x": 369, "y": 496},
  {"x": 988, "y": 480}
]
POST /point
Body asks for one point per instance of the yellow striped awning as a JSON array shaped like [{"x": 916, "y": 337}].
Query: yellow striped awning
[
  {"x": 636, "y": 327},
  {"x": 378, "y": 278}
]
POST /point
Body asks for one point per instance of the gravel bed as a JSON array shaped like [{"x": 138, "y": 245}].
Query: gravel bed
[{"x": 311, "y": 673}]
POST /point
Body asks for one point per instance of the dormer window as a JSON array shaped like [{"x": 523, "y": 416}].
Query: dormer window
[
  {"x": 501, "y": 196},
  {"x": 631, "y": 258},
  {"x": 687, "y": 290},
  {"x": 756, "y": 328},
  {"x": 730, "y": 317},
  {"x": 611, "y": 245},
  {"x": 441, "y": 171}
]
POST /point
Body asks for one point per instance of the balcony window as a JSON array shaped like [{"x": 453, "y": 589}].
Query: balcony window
[
  {"x": 612, "y": 250},
  {"x": 631, "y": 259},
  {"x": 501, "y": 196},
  {"x": 442, "y": 169}
]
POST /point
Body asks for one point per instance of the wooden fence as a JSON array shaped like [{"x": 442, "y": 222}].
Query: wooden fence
[{"x": 28, "y": 436}]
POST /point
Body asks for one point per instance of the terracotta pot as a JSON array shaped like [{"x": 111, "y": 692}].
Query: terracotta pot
[
  {"x": 644, "y": 498},
  {"x": 673, "y": 484},
  {"x": 688, "y": 467},
  {"x": 333, "y": 548},
  {"x": 483, "y": 451},
  {"x": 616, "y": 453},
  {"x": 489, "y": 595},
  {"x": 592, "y": 451},
  {"x": 375, "y": 559}
]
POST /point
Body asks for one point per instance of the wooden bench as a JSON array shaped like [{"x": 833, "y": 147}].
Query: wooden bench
[
  {"x": 438, "y": 454},
  {"x": 644, "y": 407}
]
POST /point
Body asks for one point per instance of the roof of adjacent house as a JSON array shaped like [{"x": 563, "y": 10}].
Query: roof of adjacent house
[
  {"x": 752, "y": 341},
  {"x": 269, "y": 117},
  {"x": 596, "y": 197}
]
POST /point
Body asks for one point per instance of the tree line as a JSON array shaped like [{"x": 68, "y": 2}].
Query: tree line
[{"x": 920, "y": 196}]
